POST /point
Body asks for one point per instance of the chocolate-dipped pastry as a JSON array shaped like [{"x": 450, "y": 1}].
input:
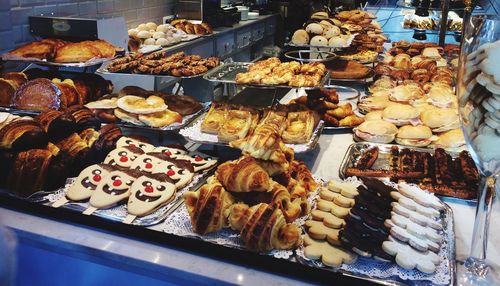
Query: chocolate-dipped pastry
[
  {"x": 56, "y": 124},
  {"x": 22, "y": 134},
  {"x": 84, "y": 117},
  {"x": 39, "y": 94},
  {"x": 28, "y": 174}
]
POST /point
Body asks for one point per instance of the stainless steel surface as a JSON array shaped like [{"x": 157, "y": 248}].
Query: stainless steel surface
[
  {"x": 364, "y": 80},
  {"x": 227, "y": 72},
  {"x": 309, "y": 56},
  {"x": 104, "y": 71},
  {"x": 90, "y": 63}
]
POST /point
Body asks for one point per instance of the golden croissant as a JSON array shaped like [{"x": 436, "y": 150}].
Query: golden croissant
[
  {"x": 303, "y": 175},
  {"x": 244, "y": 175},
  {"x": 263, "y": 227},
  {"x": 209, "y": 207}
]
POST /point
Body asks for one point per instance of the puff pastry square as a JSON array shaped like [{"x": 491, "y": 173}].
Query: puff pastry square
[
  {"x": 300, "y": 128},
  {"x": 214, "y": 119},
  {"x": 236, "y": 125}
]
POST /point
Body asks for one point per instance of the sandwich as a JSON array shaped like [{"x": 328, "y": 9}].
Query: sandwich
[
  {"x": 441, "y": 97},
  {"x": 378, "y": 131},
  {"x": 405, "y": 93},
  {"x": 374, "y": 103},
  {"x": 400, "y": 114},
  {"x": 374, "y": 115},
  {"x": 417, "y": 136},
  {"x": 452, "y": 140},
  {"x": 440, "y": 119}
]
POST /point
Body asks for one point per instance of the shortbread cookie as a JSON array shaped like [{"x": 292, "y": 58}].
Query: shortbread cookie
[
  {"x": 412, "y": 205},
  {"x": 420, "y": 244},
  {"x": 416, "y": 217},
  {"x": 318, "y": 230},
  {"x": 329, "y": 206},
  {"x": 337, "y": 198},
  {"x": 344, "y": 188},
  {"x": 413, "y": 228},
  {"x": 328, "y": 218},
  {"x": 123, "y": 157},
  {"x": 409, "y": 258},
  {"x": 330, "y": 255},
  {"x": 125, "y": 141},
  {"x": 420, "y": 196}
]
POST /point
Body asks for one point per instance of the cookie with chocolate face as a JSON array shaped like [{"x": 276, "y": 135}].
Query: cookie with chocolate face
[
  {"x": 125, "y": 141},
  {"x": 172, "y": 150},
  {"x": 87, "y": 181},
  {"x": 147, "y": 162},
  {"x": 113, "y": 189},
  {"x": 181, "y": 172},
  {"x": 123, "y": 156},
  {"x": 199, "y": 160},
  {"x": 149, "y": 192}
]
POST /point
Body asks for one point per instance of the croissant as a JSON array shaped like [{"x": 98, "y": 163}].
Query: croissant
[
  {"x": 300, "y": 128},
  {"x": 244, "y": 175},
  {"x": 303, "y": 175},
  {"x": 263, "y": 227},
  {"x": 351, "y": 121},
  {"x": 341, "y": 112}
]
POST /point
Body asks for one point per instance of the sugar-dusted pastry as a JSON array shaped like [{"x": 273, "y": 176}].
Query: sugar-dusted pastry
[
  {"x": 123, "y": 157},
  {"x": 209, "y": 207},
  {"x": 111, "y": 190},
  {"x": 236, "y": 125},
  {"x": 214, "y": 119},
  {"x": 85, "y": 184},
  {"x": 125, "y": 141},
  {"x": 300, "y": 127},
  {"x": 147, "y": 194},
  {"x": 146, "y": 162},
  {"x": 243, "y": 175},
  {"x": 200, "y": 161},
  {"x": 180, "y": 172}
]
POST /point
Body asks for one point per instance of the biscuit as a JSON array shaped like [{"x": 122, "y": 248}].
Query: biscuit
[
  {"x": 330, "y": 255},
  {"x": 329, "y": 206},
  {"x": 412, "y": 205},
  {"x": 125, "y": 141},
  {"x": 409, "y": 258},
  {"x": 420, "y": 244},
  {"x": 419, "y": 196},
  {"x": 413, "y": 228},
  {"x": 318, "y": 230},
  {"x": 337, "y": 198},
  {"x": 416, "y": 217},
  {"x": 328, "y": 218},
  {"x": 344, "y": 188}
]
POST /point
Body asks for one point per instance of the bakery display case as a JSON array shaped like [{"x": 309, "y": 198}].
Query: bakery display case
[{"x": 340, "y": 160}]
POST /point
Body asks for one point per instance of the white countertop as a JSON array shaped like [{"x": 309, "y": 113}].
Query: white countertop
[{"x": 324, "y": 162}]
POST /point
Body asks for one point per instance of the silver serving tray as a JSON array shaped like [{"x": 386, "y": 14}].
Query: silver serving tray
[
  {"x": 89, "y": 63},
  {"x": 364, "y": 80},
  {"x": 118, "y": 213},
  {"x": 193, "y": 133},
  {"x": 172, "y": 127},
  {"x": 349, "y": 42},
  {"x": 449, "y": 227},
  {"x": 227, "y": 72}
]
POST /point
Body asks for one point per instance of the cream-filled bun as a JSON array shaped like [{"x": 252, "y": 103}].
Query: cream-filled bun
[
  {"x": 319, "y": 41},
  {"x": 417, "y": 136},
  {"x": 452, "y": 140},
  {"x": 300, "y": 37},
  {"x": 378, "y": 131},
  {"x": 374, "y": 115},
  {"x": 314, "y": 28},
  {"x": 440, "y": 119},
  {"x": 401, "y": 114}
]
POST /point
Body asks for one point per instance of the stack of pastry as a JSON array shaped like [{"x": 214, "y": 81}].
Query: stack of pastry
[
  {"x": 326, "y": 103},
  {"x": 144, "y": 175},
  {"x": 273, "y": 72},
  {"x": 152, "y": 34},
  {"x": 160, "y": 63},
  {"x": 232, "y": 122},
  {"x": 60, "y": 51},
  {"x": 191, "y": 28},
  {"x": 255, "y": 198},
  {"x": 40, "y": 153},
  {"x": 140, "y": 107},
  {"x": 375, "y": 220}
]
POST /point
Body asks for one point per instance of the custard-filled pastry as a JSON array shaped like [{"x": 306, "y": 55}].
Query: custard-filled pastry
[
  {"x": 214, "y": 119},
  {"x": 236, "y": 125},
  {"x": 300, "y": 128},
  {"x": 263, "y": 227},
  {"x": 244, "y": 175},
  {"x": 209, "y": 207}
]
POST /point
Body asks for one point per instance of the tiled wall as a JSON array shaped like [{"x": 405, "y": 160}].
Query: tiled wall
[{"x": 14, "y": 14}]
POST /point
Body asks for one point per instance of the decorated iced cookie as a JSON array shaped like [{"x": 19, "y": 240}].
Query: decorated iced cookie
[
  {"x": 85, "y": 184},
  {"x": 416, "y": 217},
  {"x": 148, "y": 193},
  {"x": 420, "y": 196},
  {"x": 412, "y": 205},
  {"x": 337, "y": 198},
  {"x": 147, "y": 162},
  {"x": 344, "y": 188},
  {"x": 123, "y": 157},
  {"x": 318, "y": 230},
  {"x": 113, "y": 189},
  {"x": 409, "y": 258},
  {"x": 413, "y": 228},
  {"x": 199, "y": 160},
  {"x": 329, "y": 206},
  {"x": 125, "y": 141},
  {"x": 328, "y": 218},
  {"x": 181, "y": 172},
  {"x": 172, "y": 150},
  {"x": 330, "y": 255}
]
